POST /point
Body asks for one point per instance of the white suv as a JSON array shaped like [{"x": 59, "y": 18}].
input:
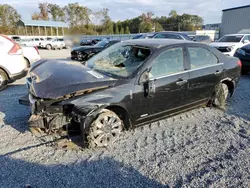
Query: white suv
[
  {"x": 228, "y": 44},
  {"x": 13, "y": 66}
]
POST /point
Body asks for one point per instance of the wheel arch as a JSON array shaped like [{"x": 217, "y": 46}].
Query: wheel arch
[
  {"x": 230, "y": 84},
  {"x": 6, "y": 71},
  {"x": 28, "y": 61},
  {"x": 122, "y": 113}
]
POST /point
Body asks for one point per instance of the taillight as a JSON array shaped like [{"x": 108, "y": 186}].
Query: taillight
[
  {"x": 239, "y": 63},
  {"x": 16, "y": 49},
  {"x": 36, "y": 50}
]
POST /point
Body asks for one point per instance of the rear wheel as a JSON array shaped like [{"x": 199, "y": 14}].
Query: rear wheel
[
  {"x": 3, "y": 79},
  {"x": 105, "y": 129},
  {"x": 221, "y": 96}
]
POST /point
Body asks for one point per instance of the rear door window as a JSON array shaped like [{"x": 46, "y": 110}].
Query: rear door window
[{"x": 201, "y": 57}]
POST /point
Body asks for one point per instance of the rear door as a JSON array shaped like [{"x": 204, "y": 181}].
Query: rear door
[{"x": 205, "y": 72}]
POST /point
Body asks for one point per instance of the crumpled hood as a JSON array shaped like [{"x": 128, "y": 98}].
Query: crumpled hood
[
  {"x": 223, "y": 44},
  {"x": 53, "y": 79}
]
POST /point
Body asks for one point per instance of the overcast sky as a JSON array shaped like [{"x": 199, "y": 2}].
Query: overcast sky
[{"x": 209, "y": 10}]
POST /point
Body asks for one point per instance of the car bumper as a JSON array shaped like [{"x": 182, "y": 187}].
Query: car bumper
[
  {"x": 19, "y": 75},
  {"x": 245, "y": 60},
  {"x": 229, "y": 53}
]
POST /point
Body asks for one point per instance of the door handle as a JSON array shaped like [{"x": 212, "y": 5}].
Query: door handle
[
  {"x": 181, "y": 82},
  {"x": 217, "y": 72}
]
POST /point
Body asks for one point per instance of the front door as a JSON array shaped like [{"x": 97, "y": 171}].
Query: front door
[{"x": 170, "y": 82}]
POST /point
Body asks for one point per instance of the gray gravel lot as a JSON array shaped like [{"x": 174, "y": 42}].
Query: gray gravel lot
[{"x": 205, "y": 147}]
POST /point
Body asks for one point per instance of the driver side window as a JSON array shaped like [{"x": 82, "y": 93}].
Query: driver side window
[{"x": 168, "y": 62}]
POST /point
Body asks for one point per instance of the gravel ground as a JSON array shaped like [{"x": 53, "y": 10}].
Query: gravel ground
[{"x": 204, "y": 147}]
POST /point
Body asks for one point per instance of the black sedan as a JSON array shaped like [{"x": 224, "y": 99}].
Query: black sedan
[
  {"x": 83, "y": 53},
  {"x": 244, "y": 55},
  {"x": 126, "y": 85}
]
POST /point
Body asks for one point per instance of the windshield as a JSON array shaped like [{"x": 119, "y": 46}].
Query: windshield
[
  {"x": 119, "y": 60},
  {"x": 101, "y": 43},
  {"x": 235, "y": 38}
]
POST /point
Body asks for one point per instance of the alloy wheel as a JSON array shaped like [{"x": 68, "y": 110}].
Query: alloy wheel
[{"x": 105, "y": 129}]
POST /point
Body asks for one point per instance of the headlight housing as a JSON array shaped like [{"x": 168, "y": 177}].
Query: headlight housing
[
  {"x": 242, "y": 52},
  {"x": 230, "y": 48}
]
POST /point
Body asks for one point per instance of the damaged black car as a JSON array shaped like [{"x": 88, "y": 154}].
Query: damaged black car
[{"x": 127, "y": 85}]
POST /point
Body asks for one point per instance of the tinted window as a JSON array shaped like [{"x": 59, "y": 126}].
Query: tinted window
[
  {"x": 173, "y": 36},
  {"x": 169, "y": 36},
  {"x": 36, "y": 39},
  {"x": 246, "y": 38},
  {"x": 168, "y": 62},
  {"x": 159, "y": 36},
  {"x": 201, "y": 57},
  {"x": 235, "y": 38}
]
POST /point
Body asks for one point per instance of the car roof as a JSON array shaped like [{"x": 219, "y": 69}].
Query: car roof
[
  {"x": 236, "y": 34},
  {"x": 155, "y": 43},
  {"x": 171, "y": 32}
]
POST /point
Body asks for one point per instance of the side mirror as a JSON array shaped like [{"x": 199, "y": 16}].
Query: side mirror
[
  {"x": 144, "y": 76},
  {"x": 148, "y": 85},
  {"x": 149, "y": 88}
]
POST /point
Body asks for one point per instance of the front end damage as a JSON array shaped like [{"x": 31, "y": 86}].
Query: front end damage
[{"x": 58, "y": 116}]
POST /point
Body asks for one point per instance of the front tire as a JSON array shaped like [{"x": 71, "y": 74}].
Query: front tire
[
  {"x": 3, "y": 80},
  {"x": 105, "y": 129},
  {"x": 221, "y": 96}
]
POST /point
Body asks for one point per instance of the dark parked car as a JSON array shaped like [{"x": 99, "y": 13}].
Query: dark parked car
[
  {"x": 95, "y": 41},
  {"x": 126, "y": 85},
  {"x": 86, "y": 42},
  {"x": 244, "y": 55},
  {"x": 83, "y": 53},
  {"x": 171, "y": 35},
  {"x": 202, "y": 39}
]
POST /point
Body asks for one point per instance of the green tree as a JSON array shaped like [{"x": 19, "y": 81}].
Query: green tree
[
  {"x": 8, "y": 19},
  {"x": 57, "y": 13},
  {"x": 127, "y": 30},
  {"x": 146, "y": 27},
  {"x": 158, "y": 27},
  {"x": 77, "y": 15},
  {"x": 107, "y": 23},
  {"x": 122, "y": 31},
  {"x": 116, "y": 29}
]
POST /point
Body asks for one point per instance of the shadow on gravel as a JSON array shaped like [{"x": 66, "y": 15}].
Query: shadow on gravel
[
  {"x": 15, "y": 115},
  {"x": 101, "y": 173},
  {"x": 239, "y": 104}
]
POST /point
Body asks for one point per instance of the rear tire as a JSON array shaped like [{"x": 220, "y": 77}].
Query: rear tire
[
  {"x": 3, "y": 80},
  {"x": 221, "y": 96}
]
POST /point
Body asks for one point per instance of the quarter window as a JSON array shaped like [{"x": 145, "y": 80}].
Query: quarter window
[
  {"x": 201, "y": 57},
  {"x": 168, "y": 62}
]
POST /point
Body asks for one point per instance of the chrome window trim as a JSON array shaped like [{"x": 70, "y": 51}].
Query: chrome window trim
[{"x": 184, "y": 71}]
